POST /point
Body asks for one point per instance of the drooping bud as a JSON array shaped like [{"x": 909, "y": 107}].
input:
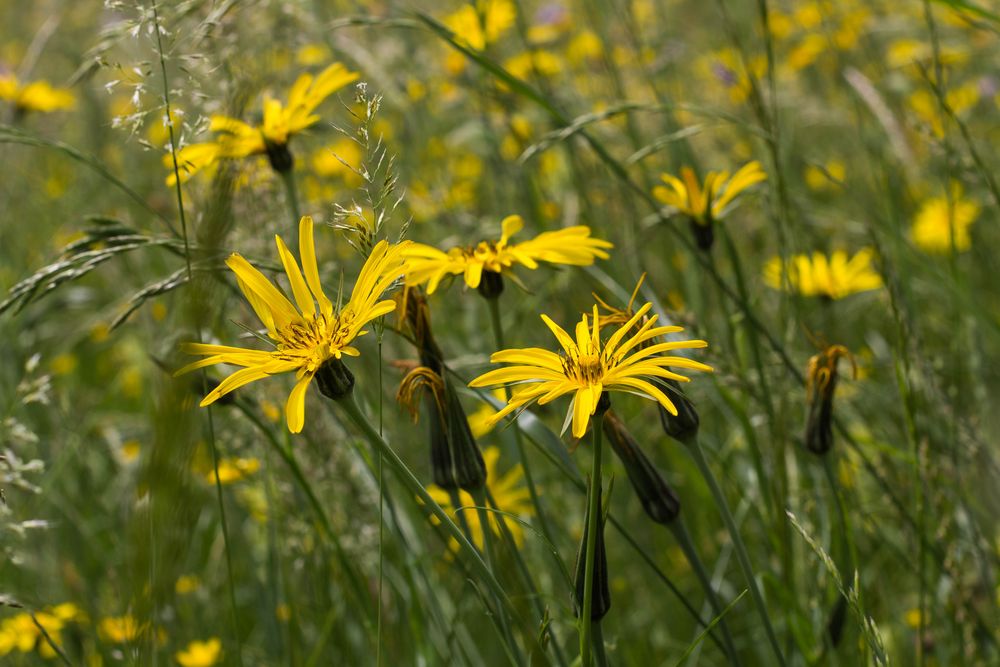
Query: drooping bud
[
  {"x": 821, "y": 383},
  {"x": 600, "y": 602},
  {"x": 491, "y": 284},
  {"x": 279, "y": 156},
  {"x": 415, "y": 312},
  {"x": 684, "y": 425},
  {"x": 334, "y": 379},
  {"x": 456, "y": 462},
  {"x": 657, "y": 498}
]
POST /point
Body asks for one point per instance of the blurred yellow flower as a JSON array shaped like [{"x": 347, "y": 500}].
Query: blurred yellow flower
[
  {"x": 237, "y": 139},
  {"x": 477, "y": 25},
  {"x": 64, "y": 364},
  {"x": 233, "y": 470},
  {"x": 306, "y": 336},
  {"x": 508, "y": 492},
  {"x": 826, "y": 177},
  {"x": 585, "y": 47},
  {"x": 706, "y": 204},
  {"x": 479, "y": 421},
  {"x": 187, "y": 583},
  {"x": 944, "y": 220},
  {"x": 329, "y": 161},
  {"x": 20, "y": 633},
  {"x": 535, "y": 62},
  {"x": 587, "y": 367},
  {"x": 927, "y": 108},
  {"x": 35, "y": 96},
  {"x": 120, "y": 629},
  {"x": 130, "y": 450},
  {"x": 816, "y": 275},
  {"x": 572, "y": 245},
  {"x": 200, "y": 654}
]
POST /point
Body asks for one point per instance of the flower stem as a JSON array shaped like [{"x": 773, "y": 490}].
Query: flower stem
[
  {"x": 494, "y": 308},
  {"x": 741, "y": 552},
  {"x": 687, "y": 546},
  {"x": 353, "y": 411},
  {"x": 489, "y": 553},
  {"x": 593, "y": 510},
  {"x": 599, "y": 650},
  {"x": 291, "y": 195}
]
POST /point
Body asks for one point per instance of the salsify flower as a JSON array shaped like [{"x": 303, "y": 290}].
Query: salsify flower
[
  {"x": 705, "y": 204},
  {"x": 238, "y": 139},
  {"x": 309, "y": 332},
  {"x": 942, "y": 221},
  {"x": 35, "y": 96},
  {"x": 816, "y": 275},
  {"x": 587, "y": 367},
  {"x": 572, "y": 245}
]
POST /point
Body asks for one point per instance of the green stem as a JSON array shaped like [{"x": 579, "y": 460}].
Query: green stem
[
  {"x": 489, "y": 553},
  {"x": 353, "y": 411},
  {"x": 291, "y": 196},
  {"x": 593, "y": 511},
  {"x": 741, "y": 552},
  {"x": 683, "y": 538},
  {"x": 543, "y": 524},
  {"x": 599, "y": 651}
]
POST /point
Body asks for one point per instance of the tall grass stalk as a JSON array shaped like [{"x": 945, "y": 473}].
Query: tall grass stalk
[{"x": 593, "y": 516}]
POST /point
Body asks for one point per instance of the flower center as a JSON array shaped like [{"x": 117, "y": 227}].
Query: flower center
[
  {"x": 311, "y": 342},
  {"x": 587, "y": 368}
]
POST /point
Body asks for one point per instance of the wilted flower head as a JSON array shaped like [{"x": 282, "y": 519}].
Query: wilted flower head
[
  {"x": 305, "y": 337},
  {"x": 816, "y": 275},
  {"x": 821, "y": 383},
  {"x": 572, "y": 245}
]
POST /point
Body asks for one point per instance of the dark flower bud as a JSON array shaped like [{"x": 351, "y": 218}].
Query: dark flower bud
[
  {"x": 684, "y": 425},
  {"x": 456, "y": 462},
  {"x": 491, "y": 284},
  {"x": 279, "y": 156},
  {"x": 657, "y": 498},
  {"x": 704, "y": 234},
  {"x": 821, "y": 383},
  {"x": 600, "y": 603},
  {"x": 334, "y": 379},
  {"x": 417, "y": 316}
]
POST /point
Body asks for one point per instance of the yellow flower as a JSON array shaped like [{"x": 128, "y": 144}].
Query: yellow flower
[
  {"x": 200, "y": 654},
  {"x": 708, "y": 203},
  {"x": 233, "y": 470},
  {"x": 308, "y": 336},
  {"x": 587, "y": 367},
  {"x": 237, "y": 139},
  {"x": 942, "y": 218},
  {"x": 187, "y": 583},
  {"x": 35, "y": 96},
  {"x": 832, "y": 278},
  {"x": 120, "y": 629},
  {"x": 508, "y": 492},
  {"x": 477, "y": 25},
  {"x": 479, "y": 421},
  {"x": 827, "y": 177},
  {"x": 572, "y": 245},
  {"x": 928, "y": 109}
]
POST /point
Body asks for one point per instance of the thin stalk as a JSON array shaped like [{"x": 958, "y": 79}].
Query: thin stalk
[
  {"x": 489, "y": 553},
  {"x": 599, "y": 651},
  {"x": 593, "y": 510},
  {"x": 498, "y": 338},
  {"x": 683, "y": 538},
  {"x": 741, "y": 552},
  {"x": 204, "y": 378},
  {"x": 291, "y": 196},
  {"x": 350, "y": 407},
  {"x": 456, "y": 502}
]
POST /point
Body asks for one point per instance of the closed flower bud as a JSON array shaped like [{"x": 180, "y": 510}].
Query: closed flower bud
[
  {"x": 821, "y": 383},
  {"x": 657, "y": 498},
  {"x": 456, "y": 462},
  {"x": 334, "y": 379},
  {"x": 413, "y": 310},
  {"x": 683, "y": 425},
  {"x": 600, "y": 603}
]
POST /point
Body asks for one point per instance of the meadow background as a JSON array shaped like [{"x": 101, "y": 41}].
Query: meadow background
[{"x": 139, "y": 529}]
